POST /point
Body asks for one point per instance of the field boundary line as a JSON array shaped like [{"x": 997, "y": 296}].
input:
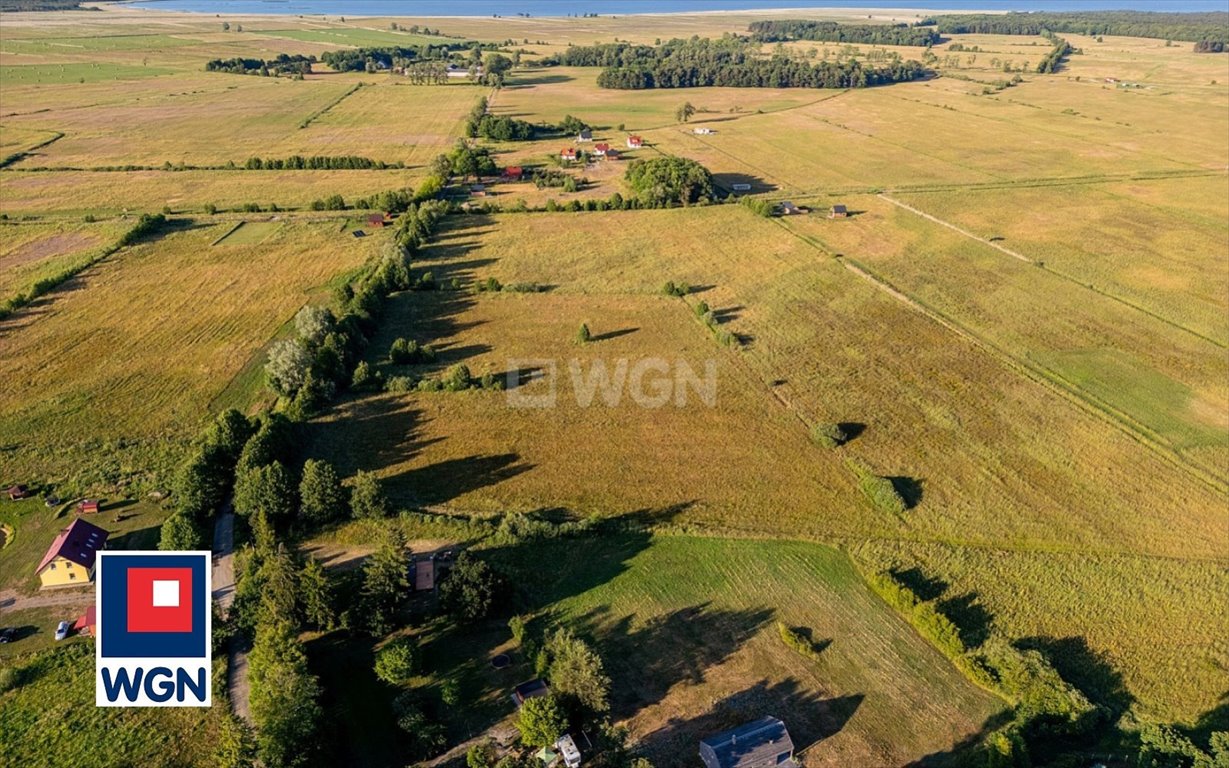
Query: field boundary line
[
  {"x": 1036, "y": 373},
  {"x": 1047, "y": 378},
  {"x": 319, "y": 113},
  {"x": 1042, "y": 265},
  {"x": 20, "y": 155},
  {"x": 228, "y": 232}
]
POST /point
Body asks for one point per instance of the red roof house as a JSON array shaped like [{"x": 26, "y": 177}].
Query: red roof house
[
  {"x": 568, "y": 154},
  {"x": 514, "y": 173},
  {"x": 601, "y": 149},
  {"x": 76, "y": 545},
  {"x": 84, "y": 625},
  {"x": 88, "y": 506},
  {"x": 376, "y": 221},
  {"x": 634, "y": 142}
]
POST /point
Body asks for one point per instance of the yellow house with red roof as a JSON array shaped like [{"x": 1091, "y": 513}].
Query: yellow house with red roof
[{"x": 71, "y": 557}]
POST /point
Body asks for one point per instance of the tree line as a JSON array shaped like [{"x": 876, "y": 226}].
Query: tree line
[
  {"x": 728, "y": 62},
  {"x": 1054, "y": 59},
  {"x": 831, "y": 31},
  {"x": 282, "y": 64},
  {"x": 317, "y": 163},
  {"x": 1195, "y": 27},
  {"x": 481, "y": 124},
  {"x": 146, "y": 226}
]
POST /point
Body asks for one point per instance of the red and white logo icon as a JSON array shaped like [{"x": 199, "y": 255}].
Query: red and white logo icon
[{"x": 160, "y": 599}]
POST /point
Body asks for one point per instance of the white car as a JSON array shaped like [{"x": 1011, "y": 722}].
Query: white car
[{"x": 61, "y": 631}]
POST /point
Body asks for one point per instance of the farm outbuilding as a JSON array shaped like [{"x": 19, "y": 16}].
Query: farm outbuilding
[
  {"x": 514, "y": 173},
  {"x": 759, "y": 744},
  {"x": 532, "y": 689},
  {"x": 839, "y": 212},
  {"x": 789, "y": 209},
  {"x": 88, "y": 506},
  {"x": 585, "y": 135},
  {"x": 376, "y": 220},
  {"x": 85, "y": 623},
  {"x": 425, "y": 574}
]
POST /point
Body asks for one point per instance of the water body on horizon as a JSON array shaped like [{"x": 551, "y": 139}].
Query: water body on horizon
[{"x": 427, "y": 8}]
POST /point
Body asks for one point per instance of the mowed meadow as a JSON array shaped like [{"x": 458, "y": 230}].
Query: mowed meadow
[{"x": 1022, "y": 325}]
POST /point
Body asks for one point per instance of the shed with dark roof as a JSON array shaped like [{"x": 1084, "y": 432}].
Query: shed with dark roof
[{"x": 759, "y": 744}]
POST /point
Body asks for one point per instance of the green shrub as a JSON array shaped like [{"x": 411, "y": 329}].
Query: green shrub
[
  {"x": 457, "y": 378},
  {"x": 397, "y": 661},
  {"x": 582, "y": 335},
  {"x": 828, "y": 435},
  {"x": 10, "y": 678},
  {"x": 701, "y": 308},
  {"x": 673, "y": 289},
  {"x": 399, "y": 384},
  {"x": 879, "y": 490},
  {"x": 490, "y": 285},
  {"x": 797, "y": 643}
]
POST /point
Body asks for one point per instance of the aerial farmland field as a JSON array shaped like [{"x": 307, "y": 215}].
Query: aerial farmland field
[{"x": 623, "y": 379}]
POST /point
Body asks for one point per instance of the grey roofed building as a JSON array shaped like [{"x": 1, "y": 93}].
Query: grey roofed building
[{"x": 759, "y": 744}]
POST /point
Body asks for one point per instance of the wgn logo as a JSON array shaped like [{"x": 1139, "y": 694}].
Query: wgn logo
[{"x": 154, "y": 629}]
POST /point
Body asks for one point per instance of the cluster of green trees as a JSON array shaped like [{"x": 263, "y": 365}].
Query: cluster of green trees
[
  {"x": 282, "y": 64},
  {"x": 709, "y": 318},
  {"x": 203, "y": 482},
  {"x": 831, "y": 31},
  {"x": 1194, "y": 27},
  {"x": 488, "y": 126},
  {"x": 729, "y": 62},
  {"x": 323, "y": 356},
  {"x": 666, "y": 182},
  {"x": 1054, "y": 59},
  {"x": 371, "y": 59},
  {"x": 148, "y": 225},
  {"x": 465, "y": 160},
  {"x": 317, "y": 163},
  {"x": 1211, "y": 46}
]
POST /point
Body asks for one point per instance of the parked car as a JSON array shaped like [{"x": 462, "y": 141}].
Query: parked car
[
  {"x": 61, "y": 631},
  {"x": 8, "y": 634}
]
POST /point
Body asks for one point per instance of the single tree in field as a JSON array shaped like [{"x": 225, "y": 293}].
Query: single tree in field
[
  {"x": 316, "y": 595},
  {"x": 583, "y": 336},
  {"x": 268, "y": 489},
  {"x": 397, "y": 661},
  {"x": 284, "y": 695},
  {"x": 386, "y": 580},
  {"x": 469, "y": 591},
  {"x": 180, "y": 532},
  {"x": 577, "y": 672},
  {"x": 322, "y": 499},
  {"x": 685, "y": 112},
  {"x": 541, "y": 721},
  {"x": 367, "y": 499}
]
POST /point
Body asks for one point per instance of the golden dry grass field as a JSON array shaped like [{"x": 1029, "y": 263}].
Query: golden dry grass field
[{"x": 1023, "y": 323}]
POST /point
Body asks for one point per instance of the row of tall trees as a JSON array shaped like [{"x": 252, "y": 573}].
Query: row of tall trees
[
  {"x": 316, "y": 163},
  {"x": 831, "y": 31},
  {"x": 1054, "y": 59},
  {"x": 282, "y": 64},
  {"x": 1194, "y": 27}
]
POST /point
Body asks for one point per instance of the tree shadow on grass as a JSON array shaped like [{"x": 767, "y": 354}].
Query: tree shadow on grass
[
  {"x": 924, "y": 586},
  {"x": 909, "y": 488},
  {"x": 1089, "y": 670},
  {"x": 446, "y": 480},
  {"x": 809, "y": 717},
  {"x": 970, "y": 617},
  {"x": 613, "y": 334}
]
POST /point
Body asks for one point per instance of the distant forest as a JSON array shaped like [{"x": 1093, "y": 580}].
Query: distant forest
[
  {"x": 830, "y": 31},
  {"x": 1212, "y": 26},
  {"x": 42, "y": 5},
  {"x": 732, "y": 63}
]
